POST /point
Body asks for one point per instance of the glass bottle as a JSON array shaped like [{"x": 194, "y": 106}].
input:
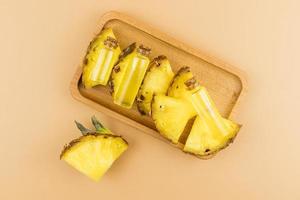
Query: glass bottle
[{"x": 133, "y": 76}]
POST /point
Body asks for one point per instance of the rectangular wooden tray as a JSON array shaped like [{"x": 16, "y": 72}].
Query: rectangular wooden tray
[{"x": 224, "y": 83}]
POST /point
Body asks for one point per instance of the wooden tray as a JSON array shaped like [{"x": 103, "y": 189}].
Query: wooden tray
[{"x": 224, "y": 83}]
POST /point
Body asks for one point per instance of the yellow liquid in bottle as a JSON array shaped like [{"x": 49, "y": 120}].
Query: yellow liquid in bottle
[
  {"x": 131, "y": 81},
  {"x": 103, "y": 66},
  {"x": 208, "y": 112}
]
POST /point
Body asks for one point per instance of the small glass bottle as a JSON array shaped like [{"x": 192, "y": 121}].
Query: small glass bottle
[
  {"x": 105, "y": 61},
  {"x": 207, "y": 111},
  {"x": 133, "y": 76},
  {"x": 102, "y": 54}
]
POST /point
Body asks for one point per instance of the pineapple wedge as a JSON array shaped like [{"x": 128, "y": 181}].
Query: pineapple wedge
[
  {"x": 210, "y": 132},
  {"x": 205, "y": 140},
  {"x": 103, "y": 52},
  {"x": 178, "y": 88},
  {"x": 170, "y": 116},
  {"x": 156, "y": 81},
  {"x": 93, "y": 153},
  {"x": 172, "y": 113},
  {"x": 183, "y": 86},
  {"x": 128, "y": 75},
  {"x": 118, "y": 70}
]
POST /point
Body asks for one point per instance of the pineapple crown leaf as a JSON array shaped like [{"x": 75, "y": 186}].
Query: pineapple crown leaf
[
  {"x": 98, "y": 126},
  {"x": 100, "y": 129},
  {"x": 82, "y": 129},
  {"x": 96, "y": 123}
]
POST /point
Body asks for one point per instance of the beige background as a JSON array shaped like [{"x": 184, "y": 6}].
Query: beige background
[{"x": 43, "y": 42}]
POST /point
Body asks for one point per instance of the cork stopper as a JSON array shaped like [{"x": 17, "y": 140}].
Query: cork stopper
[
  {"x": 157, "y": 61},
  {"x": 111, "y": 42},
  {"x": 143, "y": 50},
  {"x": 192, "y": 83}
]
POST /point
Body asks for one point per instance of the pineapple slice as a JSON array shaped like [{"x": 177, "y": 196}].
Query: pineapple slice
[
  {"x": 128, "y": 75},
  {"x": 156, "y": 81},
  {"x": 102, "y": 54},
  {"x": 93, "y": 153},
  {"x": 210, "y": 132},
  {"x": 183, "y": 86},
  {"x": 172, "y": 113},
  {"x": 205, "y": 140},
  {"x": 170, "y": 116},
  {"x": 178, "y": 88}
]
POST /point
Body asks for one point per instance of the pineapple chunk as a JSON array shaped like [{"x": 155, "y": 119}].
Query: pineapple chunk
[
  {"x": 210, "y": 132},
  {"x": 170, "y": 116},
  {"x": 156, "y": 81},
  {"x": 93, "y": 153},
  {"x": 103, "y": 52},
  {"x": 171, "y": 113}
]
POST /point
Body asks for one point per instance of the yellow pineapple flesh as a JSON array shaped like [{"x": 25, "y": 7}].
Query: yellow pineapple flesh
[{"x": 170, "y": 116}]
